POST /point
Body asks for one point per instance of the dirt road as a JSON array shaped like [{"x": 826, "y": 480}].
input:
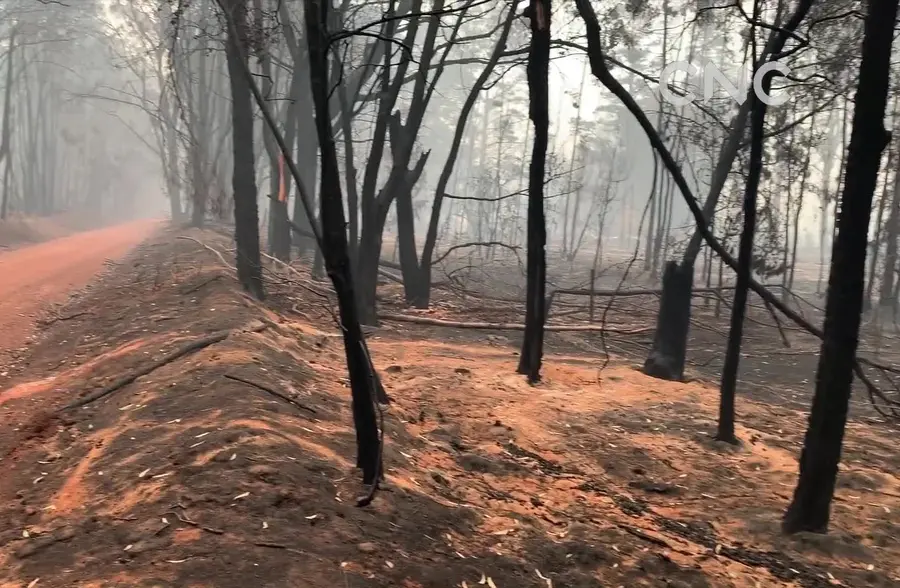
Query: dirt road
[{"x": 33, "y": 277}]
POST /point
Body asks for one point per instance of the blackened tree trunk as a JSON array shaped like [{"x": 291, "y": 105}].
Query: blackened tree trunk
[
  {"x": 538, "y": 90},
  {"x": 667, "y": 356},
  {"x": 246, "y": 213},
  {"x": 374, "y": 203},
  {"x": 745, "y": 259},
  {"x": 810, "y": 508},
  {"x": 335, "y": 251}
]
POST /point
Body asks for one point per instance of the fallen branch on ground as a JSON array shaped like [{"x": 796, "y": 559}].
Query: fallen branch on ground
[
  {"x": 59, "y": 318},
  {"x": 268, "y": 390},
  {"x": 205, "y": 282},
  {"x": 632, "y": 292},
  {"x": 645, "y": 536},
  {"x": 207, "y": 247},
  {"x": 187, "y": 521},
  {"x": 195, "y": 345},
  {"x": 303, "y": 282},
  {"x": 421, "y": 320}
]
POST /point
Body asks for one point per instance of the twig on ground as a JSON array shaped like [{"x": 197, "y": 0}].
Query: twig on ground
[
  {"x": 187, "y": 521},
  {"x": 205, "y": 282},
  {"x": 195, "y": 345},
  {"x": 268, "y": 390},
  {"x": 59, "y": 318},
  {"x": 303, "y": 282},
  {"x": 646, "y": 537}
]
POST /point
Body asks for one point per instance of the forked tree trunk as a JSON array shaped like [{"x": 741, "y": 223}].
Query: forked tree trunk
[
  {"x": 431, "y": 235},
  {"x": 538, "y": 90},
  {"x": 810, "y": 508}
]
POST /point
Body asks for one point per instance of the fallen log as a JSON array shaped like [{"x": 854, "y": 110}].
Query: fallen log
[
  {"x": 190, "y": 347},
  {"x": 422, "y": 320}
]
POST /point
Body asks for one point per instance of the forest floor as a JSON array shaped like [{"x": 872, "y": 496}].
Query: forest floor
[{"x": 594, "y": 478}]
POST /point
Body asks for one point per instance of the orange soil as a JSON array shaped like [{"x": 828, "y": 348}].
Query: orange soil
[{"x": 38, "y": 275}]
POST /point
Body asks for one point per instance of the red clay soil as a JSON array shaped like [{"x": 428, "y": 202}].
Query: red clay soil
[
  {"x": 36, "y": 276},
  {"x": 593, "y": 479}
]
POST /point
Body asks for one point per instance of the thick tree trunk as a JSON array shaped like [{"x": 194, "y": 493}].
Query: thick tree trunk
[
  {"x": 811, "y": 505},
  {"x": 246, "y": 213},
  {"x": 667, "y": 356},
  {"x": 538, "y": 91},
  {"x": 308, "y": 147},
  {"x": 368, "y": 258},
  {"x": 279, "y": 229}
]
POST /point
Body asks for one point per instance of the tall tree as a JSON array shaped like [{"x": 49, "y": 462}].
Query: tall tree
[
  {"x": 810, "y": 508},
  {"x": 243, "y": 182},
  {"x": 538, "y": 90},
  {"x": 363, "y": 380},
  {"x": 745, "y": 249}
]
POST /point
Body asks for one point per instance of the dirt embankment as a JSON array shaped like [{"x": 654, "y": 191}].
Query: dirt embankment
[{"x": 189, "y": 477}]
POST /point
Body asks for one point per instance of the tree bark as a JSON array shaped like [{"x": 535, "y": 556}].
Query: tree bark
[
  {"x": 745, "y": 260},
  {"x": 336, "y": 254},
  {"x": 246, "y": 213},
  {"x": 538, "y": 91},
  {"x": 810, "y": 508}
]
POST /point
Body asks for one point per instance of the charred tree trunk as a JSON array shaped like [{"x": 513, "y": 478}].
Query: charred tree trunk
[
  {"x": 799, "y": 208},
  {"x": 667, "y": 357},
  {"x": 336, "y": 254},
  {"x": 308, "y": 147},
  {"x": 246, "y": 213},
  {"x": 538, "y": 91},
  {"x": 811, "y": 505},
  {"x": 745, "y": 259}
]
